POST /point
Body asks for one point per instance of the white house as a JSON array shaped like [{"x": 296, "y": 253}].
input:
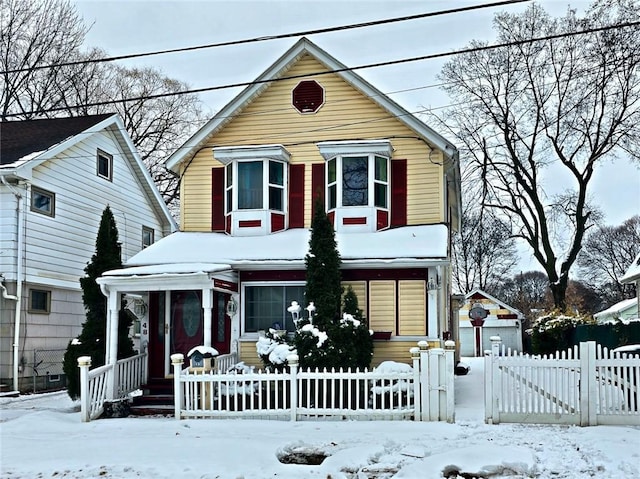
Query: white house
[
  {"x": 623, "y": 311},
  {"x": 56, "y": 178},
  {"x": 632, "y": 275}
]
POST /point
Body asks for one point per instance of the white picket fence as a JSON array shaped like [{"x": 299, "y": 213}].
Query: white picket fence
[
  {"x": 423, "y": 392},
  {"x": 108, "y": 382},
  {"x": 587, "y": 385}
]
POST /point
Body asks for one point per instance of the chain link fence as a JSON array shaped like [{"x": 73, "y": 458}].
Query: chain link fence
[{"x": 47, "y": 370}]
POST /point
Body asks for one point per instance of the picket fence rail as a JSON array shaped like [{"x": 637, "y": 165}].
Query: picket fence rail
[
  {"x": 109, "y": 382},
  {"x": 423, "y": 392},
  {"x": 587, "y": 385}
]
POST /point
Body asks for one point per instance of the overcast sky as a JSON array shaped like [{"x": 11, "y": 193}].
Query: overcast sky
[{"x": 121, "y": 27}]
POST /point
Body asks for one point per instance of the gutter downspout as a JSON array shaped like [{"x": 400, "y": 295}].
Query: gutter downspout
[{"x": 19, "y": 257}]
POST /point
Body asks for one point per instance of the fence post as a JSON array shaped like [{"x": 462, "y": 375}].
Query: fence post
[
  {"x": 449, "y": 360},
  {"x": 491, "y": 385},
  {"x": 84, "y": 363},
  {"x": 424, "y": 380},
  {"x": 587, "y": 381},
  {"x": 177, "y": 360},
  {"x": 415, "y": 358},
  {"x": 292, "y": 361}
]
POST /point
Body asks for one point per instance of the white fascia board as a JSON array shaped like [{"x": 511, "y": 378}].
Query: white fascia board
[
  {"x": 116, "y": 125},
  {"x": 159, "y": 282},
  {"x": 227, "y": 154},
  {"x": 276, "y": 70}
]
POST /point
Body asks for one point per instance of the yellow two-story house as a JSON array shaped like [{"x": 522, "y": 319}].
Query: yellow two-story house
[{"x": 308, "y": 129}]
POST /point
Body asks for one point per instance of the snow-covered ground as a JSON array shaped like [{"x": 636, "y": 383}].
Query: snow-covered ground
[{"x": 42, "y": 437}]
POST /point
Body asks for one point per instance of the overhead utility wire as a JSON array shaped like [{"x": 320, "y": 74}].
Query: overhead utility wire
[
  {"x": 338, "y": 70},
  {"x": 271, "y": 37}
]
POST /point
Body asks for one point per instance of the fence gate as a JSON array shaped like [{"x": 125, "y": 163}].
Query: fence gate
[
  {"x": 47, "y": 370},
  {"x": 586, "y": 385}
]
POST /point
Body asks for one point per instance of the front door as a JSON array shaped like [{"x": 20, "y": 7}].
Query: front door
[
  {"x": 179, "y": 327},
  {"x": 186, "y": 328}
]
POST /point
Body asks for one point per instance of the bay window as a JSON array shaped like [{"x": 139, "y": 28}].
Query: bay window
[{"x": 358, "y": 181}]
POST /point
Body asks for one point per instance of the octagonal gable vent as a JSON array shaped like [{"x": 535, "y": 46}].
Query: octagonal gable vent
[{"x": 308, "y": 96}]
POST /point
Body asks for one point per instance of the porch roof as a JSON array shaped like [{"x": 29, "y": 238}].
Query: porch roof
[{"x": 188, "y": 252}]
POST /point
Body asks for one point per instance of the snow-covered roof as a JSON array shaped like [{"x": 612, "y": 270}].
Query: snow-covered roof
[
  {"x": 498, "y": 302},
  {"x": 633, "y": 272},
  {"x": 617, "y": 308},
  {"x": 184, "y": 252}
]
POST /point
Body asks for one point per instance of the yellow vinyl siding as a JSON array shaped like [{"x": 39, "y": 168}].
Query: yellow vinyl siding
[
  {"x": 412, "y": 308},
  {"x": 360, "y": 288},
  {"x": 382, "y": 306},
  {"x": 248, "y": 354},
  {"x": 346, "y": 115}
]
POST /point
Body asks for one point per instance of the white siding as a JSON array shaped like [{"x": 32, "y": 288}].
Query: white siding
[
  {"x": 59, "y": 248},
  {"x": 8, "y": 240}
]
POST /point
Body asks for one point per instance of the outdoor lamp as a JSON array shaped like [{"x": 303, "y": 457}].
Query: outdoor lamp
[{"x": 294, "y": 309}]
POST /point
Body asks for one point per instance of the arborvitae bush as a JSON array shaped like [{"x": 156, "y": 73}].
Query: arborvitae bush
[{"x": 91, "y": 341}]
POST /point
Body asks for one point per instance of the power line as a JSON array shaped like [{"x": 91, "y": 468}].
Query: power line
[
  {"x": 271, "y": 37},
  {"x": 338, "y": 70}
]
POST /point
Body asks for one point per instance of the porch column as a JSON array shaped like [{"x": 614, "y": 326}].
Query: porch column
[
  {"x": 207, "y": 304},
  {"x": 112, "y": 344}
]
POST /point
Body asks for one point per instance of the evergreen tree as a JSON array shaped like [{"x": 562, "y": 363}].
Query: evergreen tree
[
  {"x": 328, "y": 340},
  {"x": 91, "y": 341}
]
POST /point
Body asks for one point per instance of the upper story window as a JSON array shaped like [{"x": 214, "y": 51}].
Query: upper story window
[
  {"x": 104, "y": 165},
  {"x": 255, "y": 177},
  {"x": 43, "y": 202},
  {"x": 148, "y": 237},
  {"x": 357, "y": 173}
]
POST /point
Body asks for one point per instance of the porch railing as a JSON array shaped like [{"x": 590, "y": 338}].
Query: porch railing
[{"x": 108, "y": 382}]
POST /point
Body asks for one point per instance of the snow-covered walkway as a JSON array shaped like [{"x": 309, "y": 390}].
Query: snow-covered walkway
[{"x": 42, "y": 436}]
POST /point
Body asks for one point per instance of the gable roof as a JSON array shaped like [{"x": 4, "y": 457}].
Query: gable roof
[
  {"x": 30, "y": 143},
  {"x": 486, "y": 295},
  {"x": 278, "y": 70},
  {"x": 633, "y": 272},
  {"x": 623, "y": 306},
  {"x": 20, "y": 139}
]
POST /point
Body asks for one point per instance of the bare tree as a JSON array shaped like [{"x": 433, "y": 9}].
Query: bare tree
[
  {"x": 33, "y": 34},
  {"x": 39, "y": 35},
  {"x": 557, "y": 107},
  {"x": 484, "y": 251},
  {"x": 607, "y": 253}
]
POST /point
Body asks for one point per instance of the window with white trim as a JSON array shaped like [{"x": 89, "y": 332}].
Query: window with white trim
[
  {"x": 43, "y": 201},
  {"x": 148, "y": 237},
  {"x": 104, "y": 165},
  {"x": 265, "y": 305},
  {"x": 255, "y": 177},
  {"x": 358, "y": 181},
  {"x": 357, "y": 173}
]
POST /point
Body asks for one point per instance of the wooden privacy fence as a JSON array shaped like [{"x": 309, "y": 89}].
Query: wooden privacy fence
[
  {"x": 108, "y": 382},
  {"x": 423, "y": 391},
  {"x": 587, "y": 386}
]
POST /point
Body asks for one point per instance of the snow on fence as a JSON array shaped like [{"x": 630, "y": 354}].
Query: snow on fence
[
  {"x": 586, "y": 385},
  {"x": 423, "y": 391},
  {"x": 108, "y": 382}
]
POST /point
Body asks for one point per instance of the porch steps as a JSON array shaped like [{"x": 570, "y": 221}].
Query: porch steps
[{"x": 156, "y": 399}]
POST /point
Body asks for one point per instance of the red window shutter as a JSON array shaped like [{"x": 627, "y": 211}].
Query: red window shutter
[
  {"x": 217, "y": 199},
  {"x": 296, "y": 196},
  {"x": 317, "y": 183},
  {"x": 398, "y": 192}
]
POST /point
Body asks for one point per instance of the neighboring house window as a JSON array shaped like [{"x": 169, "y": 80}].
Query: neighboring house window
[
  {"x": 148, "y": 237},
  {"x": 39, "y": 301},
  {"x": 265, "y": 306},
  {"x": 357, "y": 173},
  {"x": 43, "y": 202},
  {"x": 105, "y": 165}
]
